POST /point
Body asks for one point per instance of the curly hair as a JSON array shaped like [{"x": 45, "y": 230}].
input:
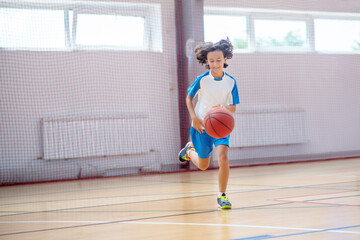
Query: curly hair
[{"x": 202, "y": 50}]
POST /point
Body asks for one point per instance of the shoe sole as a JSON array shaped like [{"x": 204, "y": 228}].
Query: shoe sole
[{"x": 224, "y": 207}]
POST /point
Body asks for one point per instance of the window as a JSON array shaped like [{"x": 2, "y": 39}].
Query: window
[
  {"x": 280, "y": 33},
  {"x": 80, "y": 25},
  {"x": 259, "y": 30},
  {"x": 31, "y": 28},
  {"x": 110, "y": 30},
  {"x": 337, "y": 35},
  {"x": 218, "y": 27}
]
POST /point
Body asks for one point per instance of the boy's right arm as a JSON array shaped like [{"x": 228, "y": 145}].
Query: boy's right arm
[{"x": 197, "y": 123}]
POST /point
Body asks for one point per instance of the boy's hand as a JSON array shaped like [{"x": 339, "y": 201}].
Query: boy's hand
[
  {"x": 216, "y": 106},
  {"x": 231, "y": 107},
  {"x": 198, "y": 125}
]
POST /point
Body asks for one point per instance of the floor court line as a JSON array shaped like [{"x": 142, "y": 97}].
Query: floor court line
[
  {"x": 104, "y": 205},
  {"x": 108, "y": 197},
  {"x": 282, "y": 225},
  {"x": 164, "y": 182},
  {"x": 80, "y": 190},
  {"x": 176, "y": 193},
  {"x": 331, "y": 198},
  {"x": 206, "y": 194},
  {"x": 132, "y": 220},
  {"x": 145, "y": 201},
  {"x": 233, "y": 192},
  {"x": 318, "y": 194},
  {"x": 285, "y": 173},
  {"x": 263, "y": 237},
  {"x": 314, "y": 201},
  {"x": 318, "y": 203},
  {"x": 335, "y": 230},
  {"x": 160, "y": 210}
]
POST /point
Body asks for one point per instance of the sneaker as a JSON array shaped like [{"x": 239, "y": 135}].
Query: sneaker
[
  {"x": 223, "y": 202},
  {"x": 183, "y": 154}
]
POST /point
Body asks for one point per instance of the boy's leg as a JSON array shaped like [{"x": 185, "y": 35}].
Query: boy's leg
[
  {"x": 203, "y": 146},
  {"x": 201, "y": 163},
  {"x": 188, "y": 153},
  {"x": 223, "y": 160}
]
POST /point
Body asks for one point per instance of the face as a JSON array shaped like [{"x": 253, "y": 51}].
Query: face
[{"x": 216, "y": 61}]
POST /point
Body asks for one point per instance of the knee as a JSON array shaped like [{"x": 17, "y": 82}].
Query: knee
[
  {"x": 223, "y": 160},
  {"x": 204, "y": 165}
]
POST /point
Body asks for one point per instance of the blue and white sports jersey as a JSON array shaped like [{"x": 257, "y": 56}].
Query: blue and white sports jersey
[{"x": 212, "y": 91}]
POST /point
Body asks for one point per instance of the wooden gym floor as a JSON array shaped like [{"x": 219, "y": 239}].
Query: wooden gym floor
[{"x": 314, "y": 200}]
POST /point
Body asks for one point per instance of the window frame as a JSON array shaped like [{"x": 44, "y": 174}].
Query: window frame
[{"x": 152, "y": 39}]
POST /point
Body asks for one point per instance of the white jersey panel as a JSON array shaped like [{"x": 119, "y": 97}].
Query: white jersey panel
[{"x": 212, "y": 91}]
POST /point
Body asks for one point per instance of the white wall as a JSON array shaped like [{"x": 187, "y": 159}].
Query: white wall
[
  {"x": 53, "y": 84},
  {"x": 326, "y": 86},
  {"x": 38, "y": 84}
]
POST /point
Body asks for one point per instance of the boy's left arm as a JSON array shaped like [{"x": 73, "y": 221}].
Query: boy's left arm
[{"x": 231, "y": 108}]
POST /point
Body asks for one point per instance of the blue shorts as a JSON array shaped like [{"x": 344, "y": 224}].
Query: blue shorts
[{"x": 203, "y": 143}]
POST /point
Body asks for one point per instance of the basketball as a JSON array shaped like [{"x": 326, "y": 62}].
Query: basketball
[{"x": 219, "y": 122}]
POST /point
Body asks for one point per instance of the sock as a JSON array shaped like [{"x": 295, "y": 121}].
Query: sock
[
  {"x": 221, "y": 194},
  {"x": 188, "y": 153}
]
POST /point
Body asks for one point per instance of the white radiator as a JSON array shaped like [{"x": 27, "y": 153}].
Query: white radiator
[
  {"x": 78, "y": 137},
  {"x": 268, "y": 125}
]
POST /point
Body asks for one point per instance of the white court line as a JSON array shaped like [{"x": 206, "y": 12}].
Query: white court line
[
  {"x": 341, "y": 174},
  {"x": 190, "y": 224},
  {"x": 55, "y": 222}
]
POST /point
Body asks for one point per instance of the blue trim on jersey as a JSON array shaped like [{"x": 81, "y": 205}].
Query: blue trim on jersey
[
  {"x": 234, "y": 92},
  {"x": 194, "y": 88}
]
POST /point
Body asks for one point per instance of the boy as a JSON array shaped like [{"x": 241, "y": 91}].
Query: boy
[{"x": 214, "y": 88}]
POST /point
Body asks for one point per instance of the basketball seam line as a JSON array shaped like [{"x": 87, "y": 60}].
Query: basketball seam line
[{"x": 220, "y": 122}]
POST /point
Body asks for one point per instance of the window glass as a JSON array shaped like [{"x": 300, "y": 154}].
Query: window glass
[
  {"x": 31, "y": 28},
  {"x": 280, "y": 33},
  {"x": 110, "y": 30},
  {"x": 218, "y": 27},
  {"x": 337, "y": 35}
]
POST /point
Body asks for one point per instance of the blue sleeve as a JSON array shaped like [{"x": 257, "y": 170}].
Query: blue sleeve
[
  {"x": 194, "y": 88},
  {"x": 235, "y": 94}
]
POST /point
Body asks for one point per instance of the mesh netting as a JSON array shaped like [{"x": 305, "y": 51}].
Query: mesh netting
[{"x": 98, "y": 88}]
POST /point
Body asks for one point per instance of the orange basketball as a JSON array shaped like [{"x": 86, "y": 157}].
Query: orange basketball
[{"x": 219, "y": 122}]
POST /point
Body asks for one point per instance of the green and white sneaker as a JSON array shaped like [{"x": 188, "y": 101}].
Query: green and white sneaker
[
  {"x": 223, "y": 202},
  {"x": 183, "y": 154}
]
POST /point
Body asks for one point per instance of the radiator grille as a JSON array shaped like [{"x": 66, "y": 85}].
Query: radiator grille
[
  {"x": 268, "y": 125},
  {"x": 65, "y": 138}
]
